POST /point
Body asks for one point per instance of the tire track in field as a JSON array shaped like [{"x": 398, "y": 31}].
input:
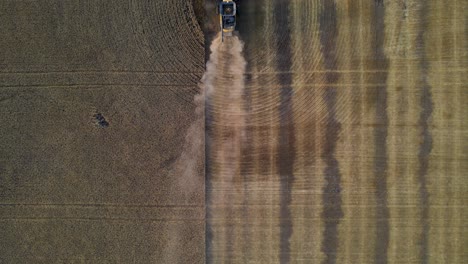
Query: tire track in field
[
  {"x": 425, "y": 147},
  {"x": 286, "y": 140},
  {"x": 380, "y": 135},
  {"x": 332, "y": 210},
  {"x": 246, "y": 169}
]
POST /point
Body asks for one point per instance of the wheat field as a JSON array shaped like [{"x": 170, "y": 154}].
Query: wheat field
[{"x": 335, "y": 132}]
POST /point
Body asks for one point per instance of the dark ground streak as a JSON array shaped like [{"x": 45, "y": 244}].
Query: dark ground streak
[
  {"x": 332, "y": 211},
  {"x": 286, "y": 141},
  {"x": 248, "y": 11},
  {"x": 380, "y": 135},
  {"x": 246, "y": 172},
  {"x": 426, "y": 145},
  {"x": 208, "y": 183},
  {"x": 246, "y": 164}
]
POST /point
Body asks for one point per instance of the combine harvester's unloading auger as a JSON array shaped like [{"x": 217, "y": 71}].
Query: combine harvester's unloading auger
[{"x": 227, "y": 17}]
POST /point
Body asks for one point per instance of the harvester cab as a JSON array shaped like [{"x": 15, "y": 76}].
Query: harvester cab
[{"x": 227, "y": 17}]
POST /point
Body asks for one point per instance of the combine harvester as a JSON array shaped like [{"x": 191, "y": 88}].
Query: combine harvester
[{"x": 227, "y": 17}]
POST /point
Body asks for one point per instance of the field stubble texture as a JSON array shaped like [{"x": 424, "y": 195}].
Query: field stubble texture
[{"x": 71, "y": 189}]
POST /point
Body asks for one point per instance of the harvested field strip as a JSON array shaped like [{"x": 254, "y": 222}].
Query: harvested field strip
[{"x": 376, "y": 97}]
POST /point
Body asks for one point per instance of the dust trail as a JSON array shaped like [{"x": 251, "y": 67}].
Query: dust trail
[
  {"x": 225, "y": 89},
  {"x": 224, "y": 85},
  {"x": 223, "y": 79},
  {"x": 220, "y": 112}
]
